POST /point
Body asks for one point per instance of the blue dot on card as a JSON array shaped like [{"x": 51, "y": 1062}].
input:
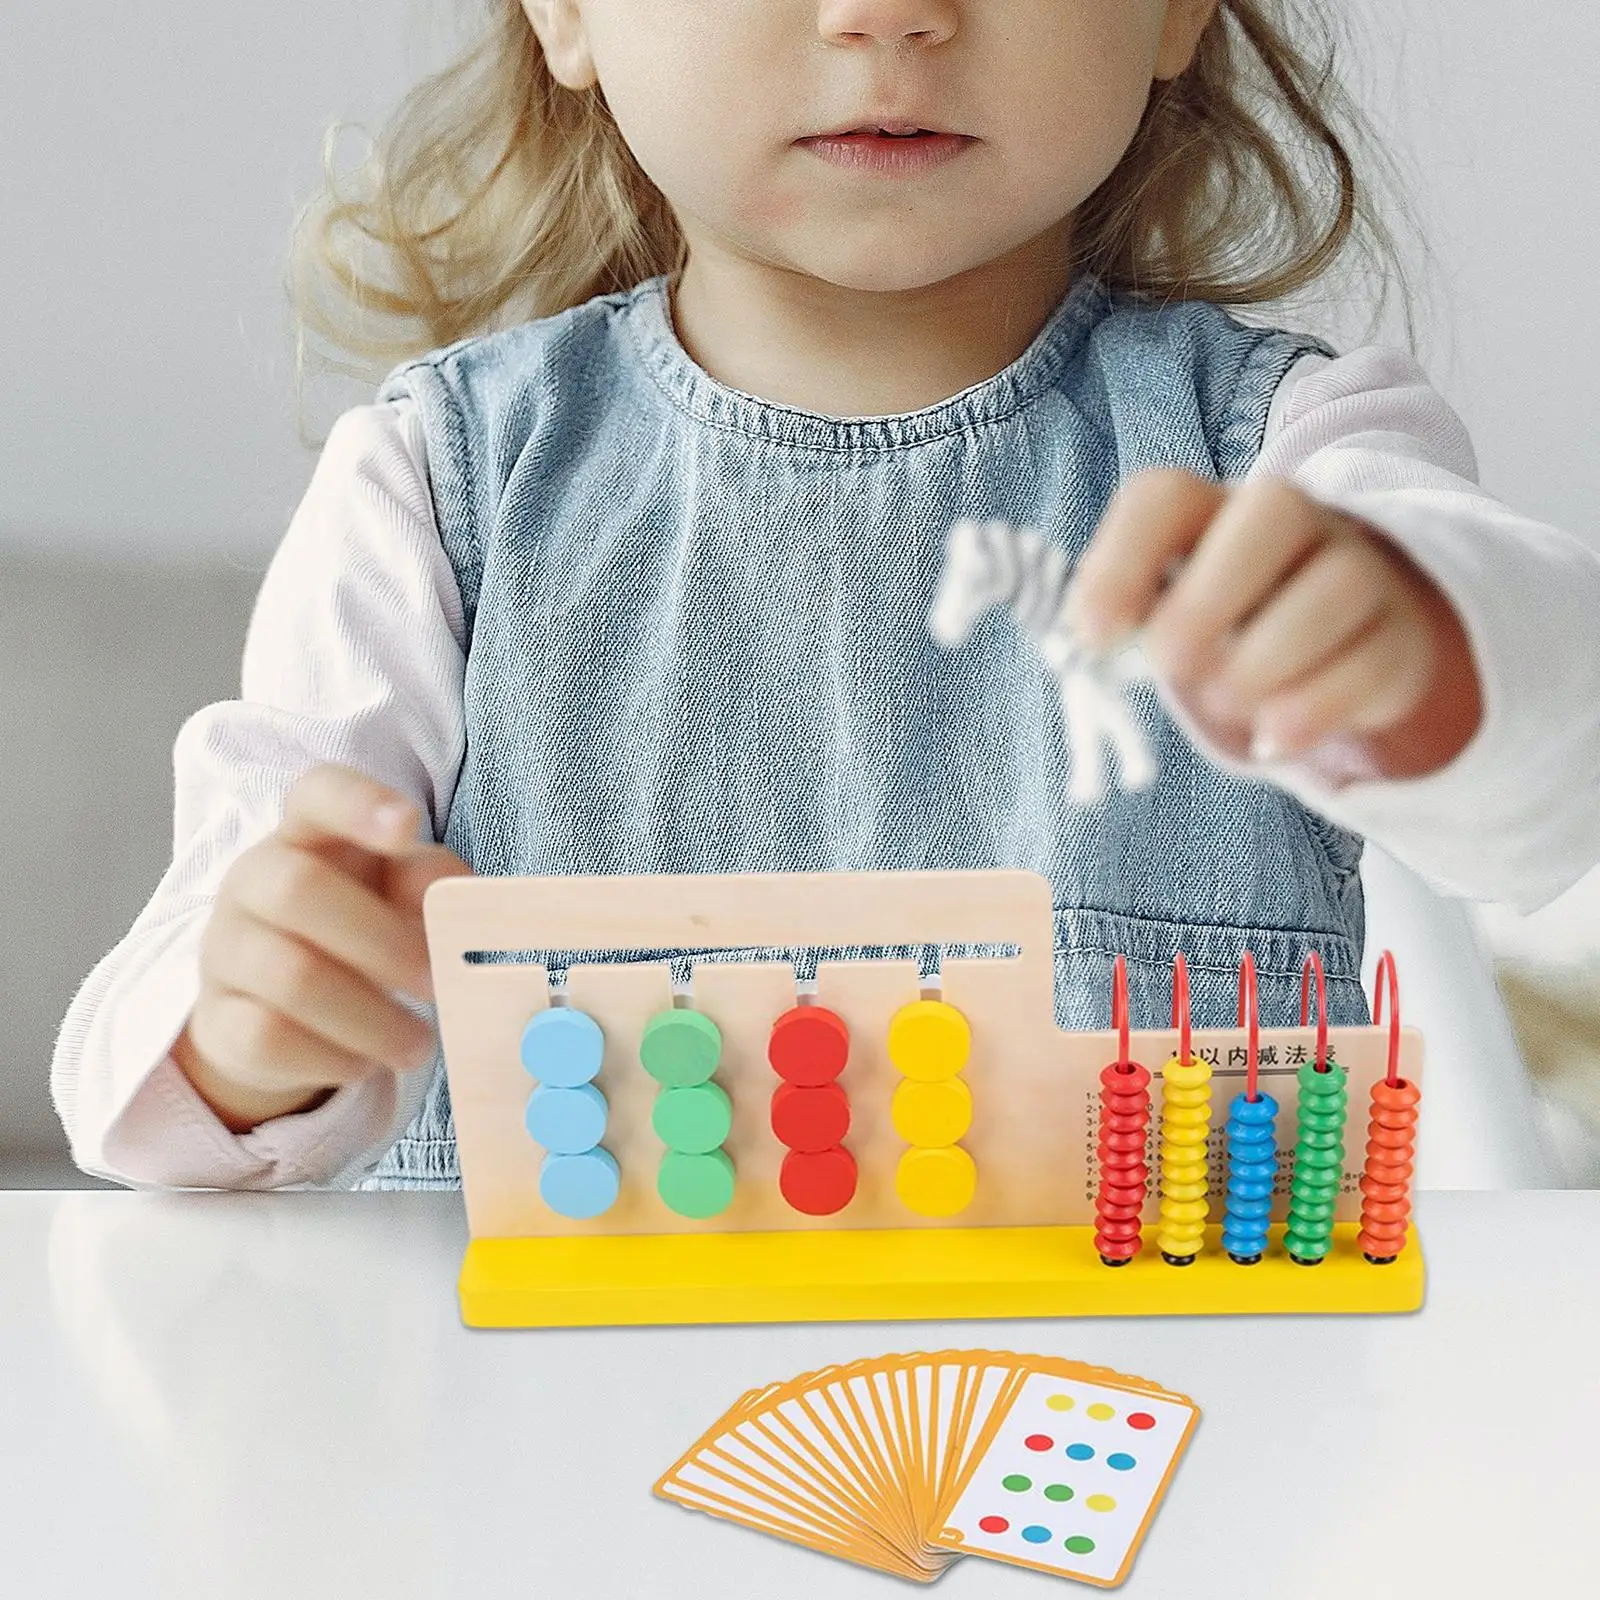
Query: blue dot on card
[
  {"x": 1081, "y": 1452},
  {"x": 567, "y": 1121},
  {"x": 1036, "y": 1534},
  {"x": 1121, "y": 1462},
  {"x": 580, "y": 1186},
  {"x": 562, "y": 1046}
]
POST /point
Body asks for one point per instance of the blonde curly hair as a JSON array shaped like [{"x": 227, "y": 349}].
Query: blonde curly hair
[{"x": 494, "y": 195}]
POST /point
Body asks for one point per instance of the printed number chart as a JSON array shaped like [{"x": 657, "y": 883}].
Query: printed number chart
[{"x": 881, "y": 1144}]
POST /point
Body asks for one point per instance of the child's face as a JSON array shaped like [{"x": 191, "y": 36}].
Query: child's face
[{"x": 713, "y": 97}]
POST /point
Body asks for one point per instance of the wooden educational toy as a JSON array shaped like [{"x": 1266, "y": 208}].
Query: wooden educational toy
[{"x": 889, "y": 1145}]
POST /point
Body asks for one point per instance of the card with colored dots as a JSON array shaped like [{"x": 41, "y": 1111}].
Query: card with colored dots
[
  {"x": 907, "y": 1462},
  {"x": 1069, "y": 1478}
]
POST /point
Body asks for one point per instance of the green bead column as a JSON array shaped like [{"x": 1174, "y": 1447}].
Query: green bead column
[
  {"x": 1318, "y": 1162},
  {"x": 692, "y": 1117}
]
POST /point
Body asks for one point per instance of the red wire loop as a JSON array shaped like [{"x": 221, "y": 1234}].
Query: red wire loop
[
  {"x": 1180, "y": 1005},
  {"x": 1119, "y": 1015},
  {"x": 1386, "y": 969},
  {"x": 1313, "y": 963},
  {"x": 1250, "y": 1012}
]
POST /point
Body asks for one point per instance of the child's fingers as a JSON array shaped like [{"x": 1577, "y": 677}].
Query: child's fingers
[
  {"x": 1152, "y": 520},
  {"x": 259, "y": 1049},
  {"x": 334, "y": 803},
  {"x": 1328, "y": 603},
  {"x": 1371, "y": 685},
  {"x": 296, "y": 890},
  {"x": 1266, "y": 529},
  {"x": 407, "y": 877},
  {"x": 286, "y": 976}
]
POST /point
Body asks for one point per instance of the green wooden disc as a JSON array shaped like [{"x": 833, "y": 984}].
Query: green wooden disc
[
  {"x": 680, "y": 1047},
  {"x": 695, "y": 1119},
  {"x": 696, "y": 1186}
]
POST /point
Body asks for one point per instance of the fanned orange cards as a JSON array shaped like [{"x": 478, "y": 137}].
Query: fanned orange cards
[{"x": 906, "y": 1462}]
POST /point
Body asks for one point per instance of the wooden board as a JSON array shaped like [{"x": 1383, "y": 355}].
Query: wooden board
[{"x": 1034, "y": 1085}]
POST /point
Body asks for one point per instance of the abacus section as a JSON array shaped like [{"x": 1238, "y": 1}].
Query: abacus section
[
  {"x": 1124, "y": 1128},
  {"x": 562, "y": 1048},
  {"x": 680, "y": 1049},
  {"x": 929, "y": 1044},
  {"x": 1252, "y": 1173},
  {"x": 810, "y": 1116},
  {"x": 1185, "y": 1127},
  {"x": 1386, "y": 1179},
  {"x": 1318, "y": 1162}
]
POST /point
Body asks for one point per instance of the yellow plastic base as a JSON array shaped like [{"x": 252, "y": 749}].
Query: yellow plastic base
[{"x": 896, "y": 1274}]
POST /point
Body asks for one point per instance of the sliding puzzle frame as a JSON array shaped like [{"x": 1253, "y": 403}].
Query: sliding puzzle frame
[{"x": 1024, "y": 1246}]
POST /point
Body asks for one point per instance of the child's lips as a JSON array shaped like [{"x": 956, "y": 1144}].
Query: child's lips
[{"x": 887, "y": 152}]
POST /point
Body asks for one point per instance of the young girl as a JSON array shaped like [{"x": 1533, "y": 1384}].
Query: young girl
[{"x": 730, "y": 308}]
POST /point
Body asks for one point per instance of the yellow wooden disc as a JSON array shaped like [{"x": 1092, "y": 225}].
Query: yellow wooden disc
[
  {"x": 929, "y": 1041},
  {"x": 1186, "y": 1074},
  {"x": 936, "y": 1183},
  {"x": 932, "y": 1114}
]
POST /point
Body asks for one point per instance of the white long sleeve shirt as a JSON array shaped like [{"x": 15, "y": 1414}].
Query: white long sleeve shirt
[{"x": 356, "y": 651}]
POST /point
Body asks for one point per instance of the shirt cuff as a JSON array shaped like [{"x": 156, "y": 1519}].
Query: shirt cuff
[{"x": 167, "y": 1136}]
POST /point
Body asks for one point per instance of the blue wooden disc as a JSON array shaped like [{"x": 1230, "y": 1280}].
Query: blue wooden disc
[
  {"x": 567, "y": 1121},
  {"x": 580, "y": 1186},
  {"x": 562, "y": 1046}
]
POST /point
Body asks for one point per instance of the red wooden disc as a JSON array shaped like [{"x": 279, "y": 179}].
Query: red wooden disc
[
  {"x": 810, "y": 1119},
  {"x": 809, "y": 1046},
  {"x": 818, "y": 1182}
]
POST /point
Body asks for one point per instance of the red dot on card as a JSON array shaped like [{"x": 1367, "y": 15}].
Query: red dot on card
[
  {"x": 1039, "y": 1441},
  {"x": 809, "y": 1045},
  {"x": 819, "y": 1182},
  {"x": 810, "y": 1119},
  {"x": 993, "y": 1524},
  {"x": 1141, "y": 1420}
]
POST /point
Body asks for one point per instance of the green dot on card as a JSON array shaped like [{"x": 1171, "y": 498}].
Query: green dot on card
[
  {"x": 1057, "y": 1491},
  {"x": 1016, "y": 1483},
  {"x": 695, "y": 1119},
  {"x": 696, "y": 1185},
  {"x": 1079, "y": 1544},
  {"x": 680, "y": 1047}
]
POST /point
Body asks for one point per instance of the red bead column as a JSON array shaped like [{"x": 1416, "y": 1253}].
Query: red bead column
[{"x": 810, "y": 1112}]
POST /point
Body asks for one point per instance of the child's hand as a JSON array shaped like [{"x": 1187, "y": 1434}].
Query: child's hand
[
  {"x": 1289, "y": 623},
  {"x": 310, "y": 930}
]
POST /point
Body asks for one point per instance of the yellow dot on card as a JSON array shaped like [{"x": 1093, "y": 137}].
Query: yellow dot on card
[
  {"x": 1061, "y": 1402},
  {"x": 1101, "y": 1412},
  {"x": 1101, "y": 1502},
  {"x": 936, "y": 1183},
  {"x": 929, "y": 1041},
  {"x": 932, "y": 1114}
]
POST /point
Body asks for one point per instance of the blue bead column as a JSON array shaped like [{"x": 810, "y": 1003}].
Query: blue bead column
[
  {"x": 1252, "y": 1170},
  {"x": 563, "y": 1047}
]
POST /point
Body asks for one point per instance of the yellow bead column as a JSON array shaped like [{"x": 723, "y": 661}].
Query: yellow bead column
[
  {"x": 1185, "y": 1127},
  {"x": 929, "y": 1044}
]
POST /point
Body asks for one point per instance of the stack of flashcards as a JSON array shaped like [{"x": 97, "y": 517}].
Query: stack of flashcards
[{"x": 906, "y": 1462}]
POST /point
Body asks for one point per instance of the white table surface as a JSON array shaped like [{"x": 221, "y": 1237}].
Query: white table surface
[{"x": 215, "y": 1395}]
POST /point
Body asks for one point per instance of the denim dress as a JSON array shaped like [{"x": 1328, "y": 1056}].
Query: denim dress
[{"x": 698, "y": 642}]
